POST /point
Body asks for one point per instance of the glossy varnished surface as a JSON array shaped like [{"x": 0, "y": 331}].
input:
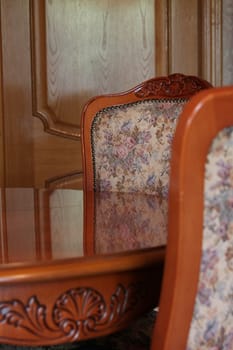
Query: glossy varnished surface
[
  {"x": 68, "y": 274},
  {"x": 64, "y": 280},
  {"x": 129, "y": 221},
  {"x": 39, "y": 225},
  {"x": 204, "y": 117}
]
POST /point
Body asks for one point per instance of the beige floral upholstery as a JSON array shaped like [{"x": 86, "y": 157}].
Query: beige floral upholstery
[
  {"x": 131, "y": 146},
  {"x": 143, "y": 226},
  {"x": 212, "y": 324}
]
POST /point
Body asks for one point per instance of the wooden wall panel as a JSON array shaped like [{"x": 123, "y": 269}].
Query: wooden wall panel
[
  {"x": 189, "y": 38},
  {"x": 52, "y": 93},
  {"x": 227, "y": 46},
  {"x": 84, "y": 48},
  {"x": 2, "y": 158},
  {"x": 16, "y": 80},
  {"x": 178, "y": 33},
  {"x": 56, "y": 54},
  {"x": 162, "y": 53},
  {"x": 183, "y": 37},
  {"x": 81, "y": 49},
  {"x": 211, "y": 41},
  {"x": 55, "y": 157}
]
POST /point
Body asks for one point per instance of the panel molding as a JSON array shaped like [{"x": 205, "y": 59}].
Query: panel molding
[
  {"x": 212, "y": 69},
  {"x": 72, "y": 180},
  {"x": 207, "y": 38},
  {"x": 40, "y": 106},
  {"x": 2, "y": 155},
  {"x": 162, "y": 54}
]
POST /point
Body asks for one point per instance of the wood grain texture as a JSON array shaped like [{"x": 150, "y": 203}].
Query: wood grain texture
[
  {"x": 46, "y": 63},
  {"x": 183, "y": 37},
  {"x": 211, "y": 24},
  {"x": 189, "y": 38},
  {"x": 73, "y": 50},
  {"x": 26, "y": 148},
  {"x": 54, "y": 156},
  {"x": 3, "y": 231},
  {"x": 227, "y": 49},
  {"x": 2, "y": 155},
  {"x": 18, "y": 135},
  {"x": 162, "y": 37},
  {"x": 176, "y": 22},
  {"x": 80, "y": 50}
]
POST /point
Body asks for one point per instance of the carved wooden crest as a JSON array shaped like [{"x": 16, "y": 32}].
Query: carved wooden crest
[{"x": 174, "y": 85}]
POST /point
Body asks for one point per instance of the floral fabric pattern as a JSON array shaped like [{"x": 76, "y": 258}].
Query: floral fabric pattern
[
  {"x": 131, "y": 146},
  {"x": 129, "y": 221},
  {"x": 212, "y": 323}
]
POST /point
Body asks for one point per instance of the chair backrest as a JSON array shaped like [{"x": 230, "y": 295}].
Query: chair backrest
[
  {"x": 126, "y": 137},
  {"x": 196, "y": 305}
]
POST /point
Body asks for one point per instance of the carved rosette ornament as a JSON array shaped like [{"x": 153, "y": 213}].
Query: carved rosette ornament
[
  {"x": 76, "y": 314},
  {"x": 174, "y": 85}
]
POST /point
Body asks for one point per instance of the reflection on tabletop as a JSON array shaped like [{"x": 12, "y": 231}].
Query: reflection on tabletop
[
  {"x": 41, "y": 225},
  {"x": 127, "y": 221}
]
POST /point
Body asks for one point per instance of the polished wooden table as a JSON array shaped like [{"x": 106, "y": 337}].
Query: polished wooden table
[{"x": 71, "y": 271}]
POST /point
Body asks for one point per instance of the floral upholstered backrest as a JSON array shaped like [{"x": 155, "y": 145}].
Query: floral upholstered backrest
[
  {"x": 212, "y": 323},
  {"x": 131, "y": 146}
]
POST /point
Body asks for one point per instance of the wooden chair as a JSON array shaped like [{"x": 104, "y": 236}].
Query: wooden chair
[
  {"x": 196, "y": 307},
  {"x": 126, "y": 143},
  {"x": 126, "y": 137}
]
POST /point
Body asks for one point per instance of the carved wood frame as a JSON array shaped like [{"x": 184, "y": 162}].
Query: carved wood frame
[
  {"x": 65, "y": 320},
  {"x": 78, "y": 305}
]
